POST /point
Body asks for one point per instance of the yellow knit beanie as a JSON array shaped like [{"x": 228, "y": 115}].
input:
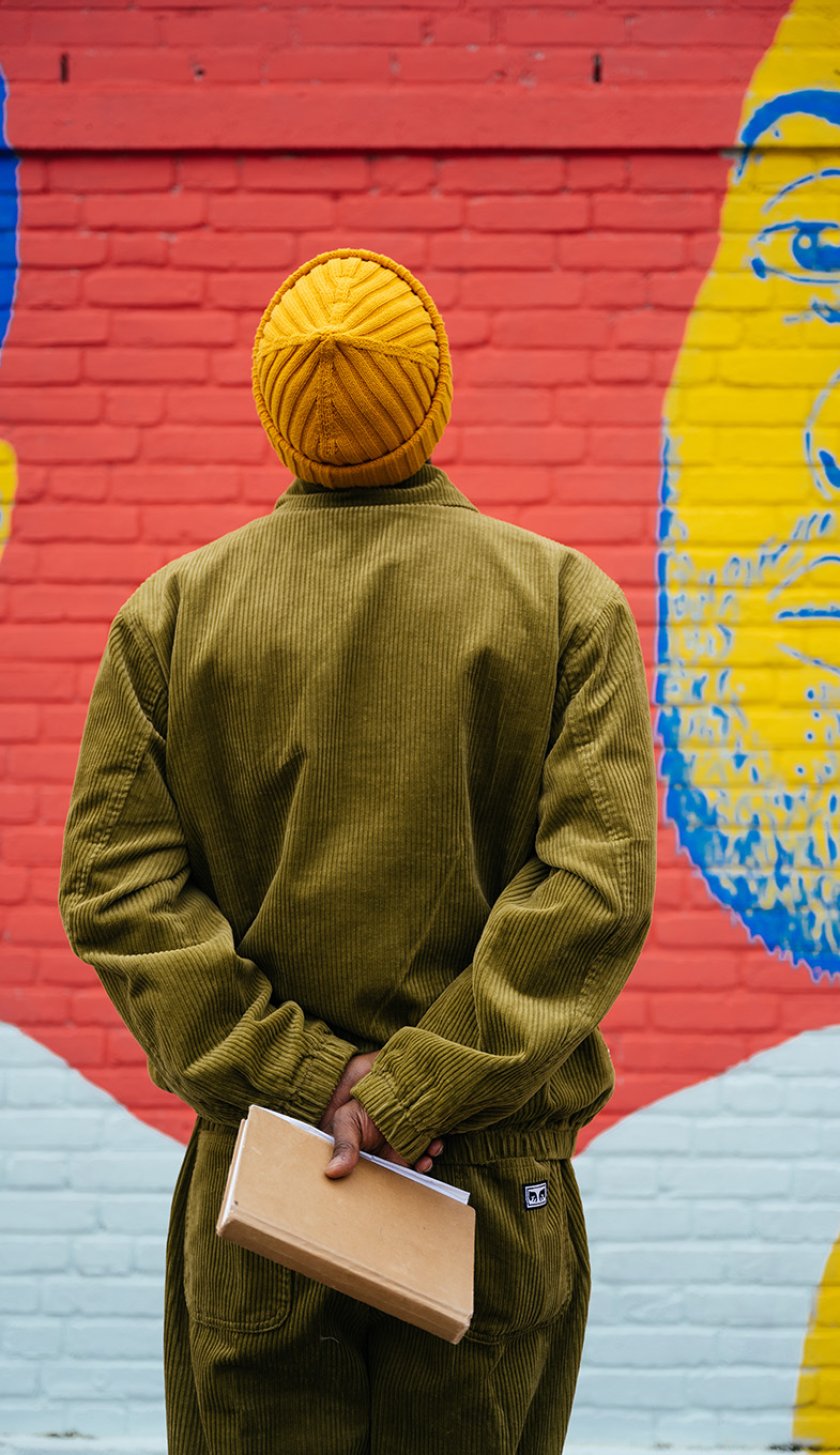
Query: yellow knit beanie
[{"x": 351, "y": 370}]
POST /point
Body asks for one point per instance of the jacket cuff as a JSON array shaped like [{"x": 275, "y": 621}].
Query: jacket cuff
[
  {"x": 319, "y": 1074},
  {"x": 378, "y": 1094}
]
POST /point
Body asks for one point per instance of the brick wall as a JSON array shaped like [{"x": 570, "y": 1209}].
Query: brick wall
[{"x": 556, "y": 179}]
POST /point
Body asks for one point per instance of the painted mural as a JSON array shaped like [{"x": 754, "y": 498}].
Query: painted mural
[
  {"x": 749, "y": 680},
  {"x": 715, "y": 1319},
  {"x": 748, "y": 687}
]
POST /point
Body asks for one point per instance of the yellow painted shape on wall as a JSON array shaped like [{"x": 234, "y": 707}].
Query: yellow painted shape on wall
[
  {"x": 803, "y": 54},
  {"x": 8, "y": 486},
  {"x": 753, "y": 545},
  {"x": 817, "y": 1411}
]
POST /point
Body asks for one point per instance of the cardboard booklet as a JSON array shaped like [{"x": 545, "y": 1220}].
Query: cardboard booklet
[{"x": 385, "y": 1235}]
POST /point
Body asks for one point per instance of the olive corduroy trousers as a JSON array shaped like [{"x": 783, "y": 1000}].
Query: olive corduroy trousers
[{"x": 261, "y": 1361}]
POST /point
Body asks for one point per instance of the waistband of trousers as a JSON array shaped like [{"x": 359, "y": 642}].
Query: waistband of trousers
[
  {"x": 496, "y": 1143},
  {"x": 474, "y": 1148}
]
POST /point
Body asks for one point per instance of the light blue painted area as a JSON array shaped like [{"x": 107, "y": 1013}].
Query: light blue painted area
[
  {"x": 36, "y": 1445},
  {"x": 85, "y": 1201},
  {"x": 711, "y": 1215},
  {"x": 9, "y": 218}
]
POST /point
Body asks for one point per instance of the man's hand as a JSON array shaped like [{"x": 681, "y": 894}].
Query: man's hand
[
  {"x": 353, "y": 1138},
  {"x": 354, "y": 1132},
  {"x": 356, "y": 1068}
]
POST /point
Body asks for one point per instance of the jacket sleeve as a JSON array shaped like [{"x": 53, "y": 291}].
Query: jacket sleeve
[
  {"x": 165, "y": 953},
  {"x": 561, "y": 939}
]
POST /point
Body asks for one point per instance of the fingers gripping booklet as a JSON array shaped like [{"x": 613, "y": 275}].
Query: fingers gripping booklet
[{"x": 386, "y": 1235}]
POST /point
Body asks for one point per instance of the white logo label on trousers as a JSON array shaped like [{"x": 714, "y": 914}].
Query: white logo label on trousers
[{"x": 535, "y": 1194}]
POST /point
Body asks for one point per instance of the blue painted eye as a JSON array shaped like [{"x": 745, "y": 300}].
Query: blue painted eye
[
  {"x": 804, "y": 252},
  {"x": 817, "y": 247}
]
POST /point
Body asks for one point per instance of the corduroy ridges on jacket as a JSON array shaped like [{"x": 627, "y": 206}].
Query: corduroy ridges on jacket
[{"x": 374, "y": 770}]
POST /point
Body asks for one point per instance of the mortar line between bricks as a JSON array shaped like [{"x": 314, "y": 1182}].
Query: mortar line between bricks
[{"x": 381, "y": 146}]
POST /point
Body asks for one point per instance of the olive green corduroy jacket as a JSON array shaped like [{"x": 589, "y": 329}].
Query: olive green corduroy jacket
[{"x": 374, "y": 770}]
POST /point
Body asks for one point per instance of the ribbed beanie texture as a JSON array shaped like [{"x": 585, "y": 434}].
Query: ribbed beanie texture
[{"x": 351, "y": 374}]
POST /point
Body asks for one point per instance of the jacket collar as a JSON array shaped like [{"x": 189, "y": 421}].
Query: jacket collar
[{"x": 428, "y": 486}]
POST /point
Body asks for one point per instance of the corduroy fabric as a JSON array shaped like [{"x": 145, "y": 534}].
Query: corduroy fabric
[
  {"x": 260, "y": 1360},
  {"x": 352, "y": 374},
  {"x": 373, "y": 771}
]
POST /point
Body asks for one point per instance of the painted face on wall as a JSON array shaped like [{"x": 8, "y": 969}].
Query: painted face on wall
[{"x": 748, "y": 681}]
